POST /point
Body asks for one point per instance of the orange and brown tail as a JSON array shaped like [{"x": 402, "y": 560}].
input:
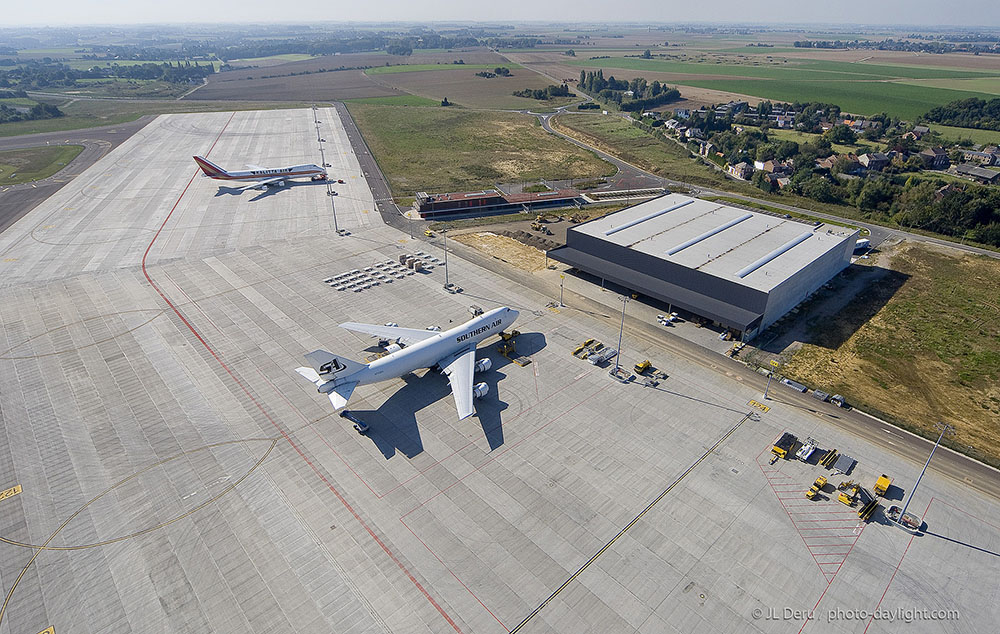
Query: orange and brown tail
[{"x": 209, "y": 168}]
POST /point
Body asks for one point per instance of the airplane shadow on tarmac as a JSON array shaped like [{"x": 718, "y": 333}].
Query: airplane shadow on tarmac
[
  {"x": 225, "y": 190},
  {"x": 393, "y": 426}
]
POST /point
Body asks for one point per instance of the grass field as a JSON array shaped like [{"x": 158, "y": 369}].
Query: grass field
[
  {"x": 86, "y": 113},
  {"x": 805, "y": 137},
  {"x": 397, "y": 100},
  {"x": 18, "y": 102},
  {"x": 125, "y": 88},
  {"x": 619, "y": 138},
  {"x": 412, "y": 68},
  {"x": 462, "y": 87},
  {"x": 86, "y": 64},
  {"x": 32, "y": 164},
  {"x": 446, "y": 149},
  {"x": 858, "y": 97},
  {"x": 930, "y": 353},
  {"x": 982, "y": 137},
  {"x": 271, "y": 59}
]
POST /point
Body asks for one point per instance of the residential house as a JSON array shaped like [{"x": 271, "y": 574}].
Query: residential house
[
  {"x": 705, "y": 148},
  {"x": 947, "y": 190},
  {"x": 682, "y": 113},
  {"x": 852, "y": 163},
  {"x": 935, "y": 158},
  {"x": 693, "y": 133},
  {"x": 671, "y": 124},
  {"x": 773, "y": 167},
  {"x": 920, "y": 130},
  {"x": 982, "y": 158},
  {"x": 978, "y": 174},
  {"x": 874, "y": 162},
  {"x": 741, "y": 170}
]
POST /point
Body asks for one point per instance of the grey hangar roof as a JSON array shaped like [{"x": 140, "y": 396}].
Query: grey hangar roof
[{"x": 756, "y": 250}]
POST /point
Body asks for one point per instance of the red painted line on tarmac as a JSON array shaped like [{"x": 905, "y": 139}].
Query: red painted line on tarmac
[
  {"x": 454, "y": 575},
  {"x": 905, "y": 550},
  {"x": 260, "y": 407}
]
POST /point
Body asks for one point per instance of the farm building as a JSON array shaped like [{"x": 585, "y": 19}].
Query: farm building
[
  {"x": 490, "y": 201},
  {"x": 740, "y": 269}
]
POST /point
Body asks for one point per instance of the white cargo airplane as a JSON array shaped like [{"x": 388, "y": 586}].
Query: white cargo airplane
[
  {"x": 261, "y": 177},
  {"x": 453, "y": 351}
]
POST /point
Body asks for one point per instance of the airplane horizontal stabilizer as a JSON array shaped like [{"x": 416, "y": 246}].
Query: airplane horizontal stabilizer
[{"x": 341, "y": 394}]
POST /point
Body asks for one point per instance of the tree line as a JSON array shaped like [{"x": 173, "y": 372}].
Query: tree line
[
  {"x": 40, "y": 75},
  {"x": 546, "y": 93},
  {"x": 967, "y": 113},
  {"x": 643, "y": 95},
  {"x": 37, "y": 111}
]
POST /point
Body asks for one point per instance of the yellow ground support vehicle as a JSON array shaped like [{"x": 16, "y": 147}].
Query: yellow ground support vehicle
[
  {"x": 816, "y": 487},
  {"x": 882, "y": 484},
  {"x": 429, "y": 233},
  {"x": 643, "y": 366}
]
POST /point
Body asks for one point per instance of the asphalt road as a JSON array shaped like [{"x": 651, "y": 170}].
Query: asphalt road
[
  {"x": 914, "y": 448},
  {"x": 17, "y": 200}
]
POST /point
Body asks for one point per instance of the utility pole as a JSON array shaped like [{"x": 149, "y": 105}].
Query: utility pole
[
  {"x": 945, "y": 429},
  {"x": 562, "y": 277}
]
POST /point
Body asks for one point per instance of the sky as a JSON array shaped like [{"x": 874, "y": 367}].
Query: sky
[{"x": 974, "y": 13}]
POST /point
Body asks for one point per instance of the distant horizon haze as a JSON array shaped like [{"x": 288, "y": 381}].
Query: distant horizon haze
[{"x": 889, "y": 13}]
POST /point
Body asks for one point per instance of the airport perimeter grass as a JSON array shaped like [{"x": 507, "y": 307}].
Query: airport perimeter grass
[
  {"x": 447, "y": 149},
  {"x": 930, "y": 352},
  {"x": 90, "y": 113},
  {"x": 32, "y": 164}
]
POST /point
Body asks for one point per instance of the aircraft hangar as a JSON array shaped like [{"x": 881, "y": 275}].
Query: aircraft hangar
[{"x": 740, "y": 269}]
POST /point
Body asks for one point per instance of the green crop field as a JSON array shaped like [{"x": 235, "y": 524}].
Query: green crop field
[
  {"x": 805, "y": 70},
  {"x": 32, "y": 164},
  {"x": 981, "y": 137},
  {"x": 448, "y": 149},
  {"x": 989, "y": 85},
  {"x": 396, "y": 100},
  {"x": 411, "y": 68}
]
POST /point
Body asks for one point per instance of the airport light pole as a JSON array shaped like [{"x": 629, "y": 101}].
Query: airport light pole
[
  {"x": 444, "y": 233},
  {"x": 562, "y": 278},
  {"x": 621, "y": 331},
  {"x": 770, "y": 373},
  {"x": 945, "y": 429}
]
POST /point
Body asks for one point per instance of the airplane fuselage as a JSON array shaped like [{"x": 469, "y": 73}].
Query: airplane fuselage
[
  {"x": 296, "y": 171},
  {"x": 428, "y": 352}
]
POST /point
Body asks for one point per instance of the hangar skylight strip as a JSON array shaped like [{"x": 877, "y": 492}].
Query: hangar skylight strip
[
  {"x": 747, "y": 270},
  {"x": 709, "y": 233},
  {"x": 655, "y": 214}
]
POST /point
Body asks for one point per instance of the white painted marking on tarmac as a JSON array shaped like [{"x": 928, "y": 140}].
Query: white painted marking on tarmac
[{"x": 579, "y": 376}]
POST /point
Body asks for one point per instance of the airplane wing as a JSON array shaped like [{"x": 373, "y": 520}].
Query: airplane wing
[
  {"x": 408, "y": 336},
  {"x": 263, "y": 183},
  {"x": 459, "y": 367}
]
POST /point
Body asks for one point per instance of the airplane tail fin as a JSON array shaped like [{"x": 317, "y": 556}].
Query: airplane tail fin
[
  {"x": 330, "y": 366},
  {"x": 209, "y": 168}
]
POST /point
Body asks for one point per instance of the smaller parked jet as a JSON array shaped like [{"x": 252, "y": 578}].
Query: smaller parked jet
[
  {"x": 261, "y": 177},
  {"x": 452, "y": 351}
]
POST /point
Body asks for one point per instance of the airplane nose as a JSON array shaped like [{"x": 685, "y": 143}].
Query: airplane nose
[{"x": 513, "y": 314}]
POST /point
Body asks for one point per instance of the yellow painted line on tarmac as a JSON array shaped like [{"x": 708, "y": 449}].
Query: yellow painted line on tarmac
[
  {"x": 49, "y": 630},
  {"x": 11, "y": 492},
  {"x": 10, "y": 259},
  {"x": 760, "y": 406},
  {"x": 555, "y": 310}
]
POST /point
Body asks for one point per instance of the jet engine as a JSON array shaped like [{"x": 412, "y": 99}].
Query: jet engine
[
  {"x": 483, "y": 365},
  {"x": 479, "y": 390},
  {"x": 393, "y": 347}
]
